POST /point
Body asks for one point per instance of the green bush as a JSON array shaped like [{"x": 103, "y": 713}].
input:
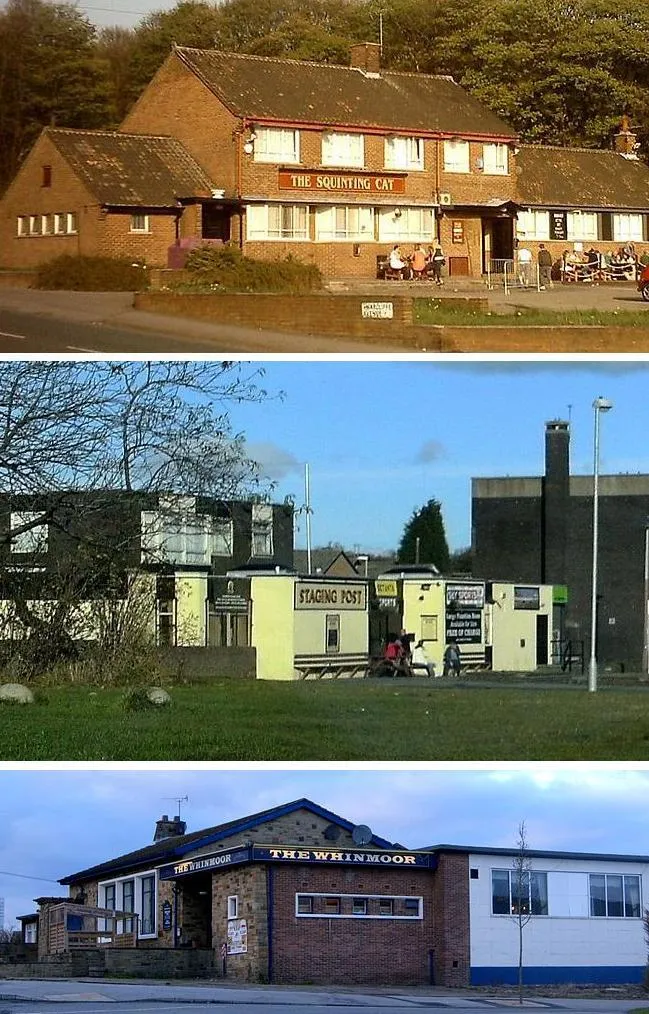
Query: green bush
[
  {"x": 226, "y": 269},
  {"x": 92, "y": 274}
]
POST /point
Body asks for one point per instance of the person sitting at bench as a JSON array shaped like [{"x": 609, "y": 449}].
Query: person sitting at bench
[
  {"x": 396, "y": 263},
  {"x": 418, "y": 261},
  {"x": 420, "y": 660},
  {"x": 452, "y": 659},
  {"x": 395, "y": 657}
]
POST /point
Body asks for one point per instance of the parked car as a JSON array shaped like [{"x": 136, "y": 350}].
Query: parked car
[{"x": 643, "y": 283}]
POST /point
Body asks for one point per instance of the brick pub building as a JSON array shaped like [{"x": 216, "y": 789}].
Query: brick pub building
[{"x": 298, "y": 894}]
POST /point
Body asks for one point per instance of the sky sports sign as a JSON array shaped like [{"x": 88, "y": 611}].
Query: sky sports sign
[{"x": 286, "y": 854}]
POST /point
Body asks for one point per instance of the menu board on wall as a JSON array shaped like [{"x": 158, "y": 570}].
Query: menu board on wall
[{"x": 558, "y": 225}]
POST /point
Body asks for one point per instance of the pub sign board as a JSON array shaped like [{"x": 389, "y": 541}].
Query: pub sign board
[
  {"x": 322, "y": 595},
  {"x": 166, "y": 915},
  {"x": 326, "y": 182},
  {"x": 465, "y": 596},
  {"x": 558, "y": 225},
  {"x": 348, "y": 857},
  {"x": 206, "y": 863}
]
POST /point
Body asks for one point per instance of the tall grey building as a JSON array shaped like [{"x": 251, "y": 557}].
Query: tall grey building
[{"x": 540, "y": 529}]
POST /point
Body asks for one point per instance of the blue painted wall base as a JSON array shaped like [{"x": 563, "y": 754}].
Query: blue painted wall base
[{"x": 612, "y": 975}]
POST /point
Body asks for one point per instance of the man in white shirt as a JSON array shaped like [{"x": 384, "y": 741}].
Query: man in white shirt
[{"x": 524, "y": 257}]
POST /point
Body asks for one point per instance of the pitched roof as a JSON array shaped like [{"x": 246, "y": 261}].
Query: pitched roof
[
  {"x": 323, "y": 559},
  {"x": 297, "y": 91},
  {"x": 179, "y": 845},
  {"x": 581, "y": 178},
  {"x": 131, "y": 170}
]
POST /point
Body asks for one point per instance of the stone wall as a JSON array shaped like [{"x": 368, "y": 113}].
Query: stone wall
[{"x": 202, "y": 665}]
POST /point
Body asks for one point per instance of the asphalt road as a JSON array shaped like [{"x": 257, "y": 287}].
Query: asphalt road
[{"x": 72, "y": 323}]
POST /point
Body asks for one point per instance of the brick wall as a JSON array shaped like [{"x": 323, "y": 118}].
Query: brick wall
[
  {"x": 320, "y": 314},
  {"x": 450, "y": 905},
  {"x": 354, "y": 950}
]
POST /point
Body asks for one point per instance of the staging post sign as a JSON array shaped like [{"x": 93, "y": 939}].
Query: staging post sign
[
  {"x": 464, "y": 609},
  {"x": 322, "y": 595}
]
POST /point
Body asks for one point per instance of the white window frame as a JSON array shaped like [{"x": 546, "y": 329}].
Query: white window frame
[
  {"x": 356, "y": 898},
  {"x": 22, "y": 228},
  {"x": 31, "y": 933},
  {"x": 137, "y": 879},
  {"x": 627, "y": 227},
  {"x": 343, "y": 223},
  {"x": 60, "y": 221},
  {"x": 495, "y": 159},
  {"x": 406, "y": 225},
  {"x": 533, "y": 224},
  {"x": 139, "y": 217},
  {"x": 35, "y": 225},
  {"x": 46, "y": 225},
  {"x": 513, "y": 875},
  {"x": 233, "y": 906},
  {"x": 623, "y": 877},
  {"x": 182, "y": 537},
  {"x": 582, "y": 225},
  {"x": 457, "y": 154},
  {"x": 277, "y": 144},
  {"x": 404, "y": 153},
  {"x": 278, "y": 222},
  {"x": 35, "y": 540},
  {"x": 340, "y": 149},
  {"x": 261, "y": 534},
  {"x": 71, "y": 224}
]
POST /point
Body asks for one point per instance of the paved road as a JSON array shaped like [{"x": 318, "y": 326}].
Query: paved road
[
  {"x": 105, "y": 322},
  {"x": 95, "y": 997}
]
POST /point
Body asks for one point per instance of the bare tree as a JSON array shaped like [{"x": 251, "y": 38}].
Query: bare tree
[
  {"x": 521, "y": 895},
  {"x": 75, "y": 435}
]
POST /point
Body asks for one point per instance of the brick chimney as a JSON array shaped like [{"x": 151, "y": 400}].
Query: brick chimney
[
  {"x": 165, "y": 828},
  {"x": 625, "y": 140},
  {"x": 366, "y": 56}
]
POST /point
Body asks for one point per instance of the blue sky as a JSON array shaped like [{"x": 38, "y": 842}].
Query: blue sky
[
  {"x": 55, "y": 822},
  {"x": 382, "y": 438}
]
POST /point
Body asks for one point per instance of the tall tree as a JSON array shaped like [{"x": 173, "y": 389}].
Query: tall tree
[
  {"x": 521, "y": 895},
  {"x": 49, "y": 75},
  {"x": 69, "y": 428},
  {"x": 424, "y": 538}
]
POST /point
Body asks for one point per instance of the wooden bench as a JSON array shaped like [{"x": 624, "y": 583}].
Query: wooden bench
[{"x": 330, "y": 669}]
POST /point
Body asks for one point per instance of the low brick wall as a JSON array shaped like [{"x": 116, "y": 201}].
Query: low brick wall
[
  {"x": 136, "y": 963},
  {"x": 202, "y": 665},
  {"x": 319, "y": 314},
  {"x": 542, "y": 339},
  {"x": 17, "y": 279}
]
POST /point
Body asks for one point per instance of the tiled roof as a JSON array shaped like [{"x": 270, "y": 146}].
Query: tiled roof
[
  {"x": 181, "y": 844},
  {"x": 296, "y": 91},
  {"x": 131, "y": 170},
  {"x": 580, "y": 178}
]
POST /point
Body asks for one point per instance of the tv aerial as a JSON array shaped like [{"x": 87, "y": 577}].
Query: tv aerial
[{"x": 178, "y": 800}]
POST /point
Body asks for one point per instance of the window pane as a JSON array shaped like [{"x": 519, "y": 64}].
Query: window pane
[
  {"x": 632, "y": 897},
  {"x": 386, "y": 906},
  {"x": 597, "y": 894},
  {"x": 359, "y": 906},
  {"x": 148, "y": 905},
  {"x": 332, "y": 906},
  {"x": 539, "y": 893},
  {"x": 520, "y": 881},
  {"x": 614, "y": 895},
  {"x": 500, "y": 892},
  {"x": 304, "y": 904}
]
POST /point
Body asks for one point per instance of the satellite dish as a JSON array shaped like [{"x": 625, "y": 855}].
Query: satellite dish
[
  {"x": 332, "y": 832},
  {"x": 362, "y": 835}
]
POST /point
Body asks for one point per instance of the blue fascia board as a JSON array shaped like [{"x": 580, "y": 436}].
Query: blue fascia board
[{"x": 546, "y": 975}]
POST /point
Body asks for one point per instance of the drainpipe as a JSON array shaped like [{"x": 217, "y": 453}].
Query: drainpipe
[
  {"x": 438, "y": 223},
  {"x": 238, "y": 133},
  {"x": 269, "y": 910}
]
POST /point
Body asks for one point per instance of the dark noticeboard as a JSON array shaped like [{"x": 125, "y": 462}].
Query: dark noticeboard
[
  {"x": 464, "y": 626},
  {"x": 166, "y": 915},
  {"x": 558, "y": 225}
]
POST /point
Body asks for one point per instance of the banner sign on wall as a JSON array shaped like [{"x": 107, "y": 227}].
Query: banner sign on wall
[
  {"x": 320, "y": 595},
  {"x": 277, "y": 853},
  {"x": 213, "y": 861},
  {"x": 465, "y": 596},
  {"x": 464, "y": 626}
]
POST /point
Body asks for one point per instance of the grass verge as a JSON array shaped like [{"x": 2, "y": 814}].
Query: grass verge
[
  {"x": 330, "y": 721},
  {"x": 433, "y": 311}
]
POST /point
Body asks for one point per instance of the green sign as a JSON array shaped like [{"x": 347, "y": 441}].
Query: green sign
[{"x": 560, "y": 594}]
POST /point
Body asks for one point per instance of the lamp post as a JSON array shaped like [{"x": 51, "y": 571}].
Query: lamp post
[{"x": 599, "y": 405}]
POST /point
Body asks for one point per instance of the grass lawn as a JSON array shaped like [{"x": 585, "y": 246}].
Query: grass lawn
[
  {"x": 433, "y": 311},
  {"x": 331, "y": 721}
]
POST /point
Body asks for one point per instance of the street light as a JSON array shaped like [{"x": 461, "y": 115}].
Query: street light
[{"x": 600, "y": 405}]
